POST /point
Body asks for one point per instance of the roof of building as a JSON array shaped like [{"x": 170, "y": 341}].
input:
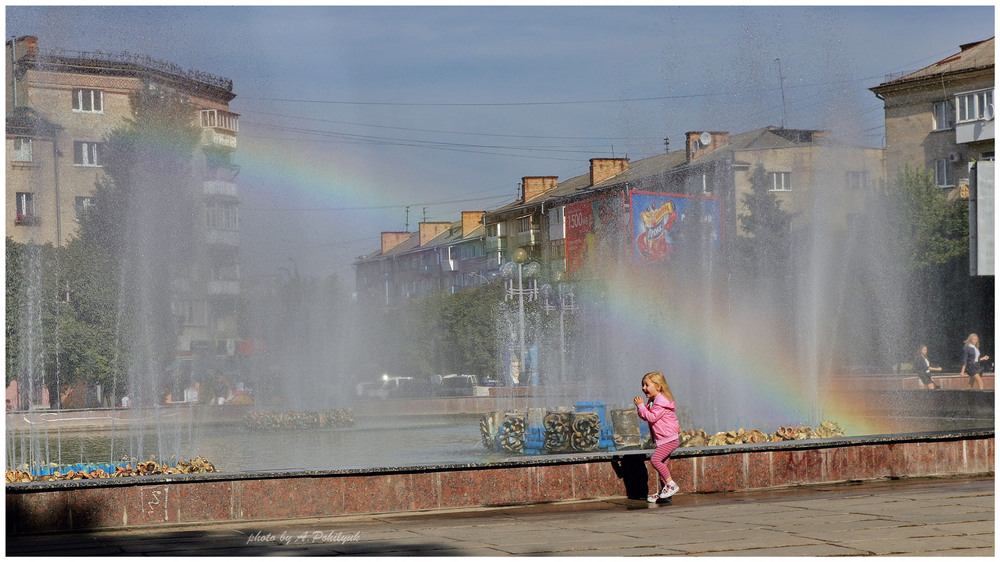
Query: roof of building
[
  {"x": 971, "y": 57},
  {"x": 28, "y": 122},
  {"x": 125, "y": 64},
  {"x": 759, "y": 139},
  {"x": 451, "y": 235}
]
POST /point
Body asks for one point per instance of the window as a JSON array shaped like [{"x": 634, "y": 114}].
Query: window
[
  {"x": 222, "y": 216},
  {"x": 944, "y": 175},
  {"x": 190, "y": 313},
  {"x": 857, "y": 180},
  {"x": 22, "y": 149},
  {"x": 88, "y": 101},
  {"x": 25, "y": 203},
  {"x": 973, "y": 106},
  {"x": 524, "y": 224},
  {"x": 82, "y": 204},
  {"x": 943, "y": 113},
  {"x": 86, "y": 153},
  {"x": 496, "y": 230},
  {"x": 780, "y": 181}
]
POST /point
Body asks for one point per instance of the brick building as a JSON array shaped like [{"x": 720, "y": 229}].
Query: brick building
[{"x": 60, "y": 108}]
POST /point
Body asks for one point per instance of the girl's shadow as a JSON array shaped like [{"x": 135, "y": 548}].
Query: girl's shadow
[{"x": 631, "y": 470}]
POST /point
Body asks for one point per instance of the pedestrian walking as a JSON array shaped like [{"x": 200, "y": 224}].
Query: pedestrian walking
[
  {"x": 658, "y": 410},
  {"x": 971, "y": 361},
  {"x": 922, "y": 365}
]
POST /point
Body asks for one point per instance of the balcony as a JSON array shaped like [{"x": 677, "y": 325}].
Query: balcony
[
  {"x": 220, "y": 120},
  {"x": 222, "y": 237},
  {"x": 496, "y": 244},
  {"x": 222, "y": 287},
  {"x": 974, "y": 131},
  {"x": 225, "y": 280},
  {"x": 219, "y": 188},
  {"x": 219, "y": 128},
  {"x": 529, "y": 237},
  {"x": 218, "y": 139}
]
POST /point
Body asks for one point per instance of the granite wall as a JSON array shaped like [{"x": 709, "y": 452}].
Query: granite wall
[{"x": 180, "y": 500}]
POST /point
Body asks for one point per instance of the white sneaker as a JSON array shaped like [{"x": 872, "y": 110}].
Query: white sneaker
[{"x": 667, "y": 491}]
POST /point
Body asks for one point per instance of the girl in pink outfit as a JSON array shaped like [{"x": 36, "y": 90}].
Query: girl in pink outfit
[{"x": 663, "y": 425}]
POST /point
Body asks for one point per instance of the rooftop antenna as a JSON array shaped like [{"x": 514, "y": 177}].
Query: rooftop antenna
[
  {"x": 425, "y": 214},
  {"x": 781, "y": 80},
  {"x": 407, "y": 226}
]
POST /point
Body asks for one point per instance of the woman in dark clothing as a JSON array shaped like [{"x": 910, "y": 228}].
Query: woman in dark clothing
[
  {"x": 970, "y": 361},
  {"x": 922, "y": 365}
]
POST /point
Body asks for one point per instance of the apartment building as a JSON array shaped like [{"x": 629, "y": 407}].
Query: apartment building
[
  {"x": 440, "y": 256},
  {"x": 942, "y": 118},
  {"x": 622, "y": 214},
  {"x": 60, "y": 108}
]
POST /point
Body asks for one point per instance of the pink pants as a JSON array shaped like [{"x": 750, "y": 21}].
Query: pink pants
[{"x": 660, "y": 458}]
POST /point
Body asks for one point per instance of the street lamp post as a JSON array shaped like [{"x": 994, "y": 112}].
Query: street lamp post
[
  {"x": 564, "y": 303},
  {"x": 530, "y": 270}
]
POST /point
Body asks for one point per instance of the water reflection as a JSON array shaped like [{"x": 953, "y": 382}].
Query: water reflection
[{"x": 371, "y": 442}]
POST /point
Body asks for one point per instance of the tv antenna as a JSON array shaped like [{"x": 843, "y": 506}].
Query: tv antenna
[
  {"x": 781, "y": 81},
  {"x": 406, "y": 226}
]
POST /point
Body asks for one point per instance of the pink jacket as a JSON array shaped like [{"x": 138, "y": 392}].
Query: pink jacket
[{"x": 659, "y": 413}]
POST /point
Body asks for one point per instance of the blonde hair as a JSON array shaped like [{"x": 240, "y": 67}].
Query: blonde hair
[
  {"x": 656, "y": 378},
  {"x": 968, "y": 340}
]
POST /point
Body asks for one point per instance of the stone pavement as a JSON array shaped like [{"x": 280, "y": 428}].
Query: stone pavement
[{"x": 921, "y": 516}]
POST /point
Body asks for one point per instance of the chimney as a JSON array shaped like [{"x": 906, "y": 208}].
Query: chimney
[
  {"x": 392, "y": 239},
  {"x": 30, "y": 44},
  {"x": 604, "y": 168},
  {"x": 428, "y": 230},
  {"x": 471, "y": 220},
  {"x": 533, "y": 186},
  {"x": 700, "y": 143}
]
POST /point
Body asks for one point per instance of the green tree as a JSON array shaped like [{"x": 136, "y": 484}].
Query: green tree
[
  {"x": 925, "y": 229},
  {"x": 440, "y": 333},
  {"x": 927, "y": 236},
  {"x": 86, "y": 296},
  {"x": 765, "y": 248},
  {"x": 15, "y": 302}
]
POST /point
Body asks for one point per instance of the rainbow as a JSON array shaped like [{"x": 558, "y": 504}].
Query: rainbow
[
  {"x": 328, "y": 175},
  {"x": 730, "y": 347}
]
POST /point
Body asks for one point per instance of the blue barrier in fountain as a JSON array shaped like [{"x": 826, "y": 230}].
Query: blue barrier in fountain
[{"x": 607, "y": 436}]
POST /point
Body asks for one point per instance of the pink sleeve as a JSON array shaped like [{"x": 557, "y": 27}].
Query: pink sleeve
[{"x": 661, "y": 405}]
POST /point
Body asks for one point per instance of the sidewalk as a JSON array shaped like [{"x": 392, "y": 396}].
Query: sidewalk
[{"x": 925, "y": 516}]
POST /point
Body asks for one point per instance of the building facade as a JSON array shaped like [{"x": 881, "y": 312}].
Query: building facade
[
  {"x": 941, "y": 117},
  {"x": 621, "y": 214},
  {"x": 440, "y": 256},
  {"x": 61, "y": 107}
]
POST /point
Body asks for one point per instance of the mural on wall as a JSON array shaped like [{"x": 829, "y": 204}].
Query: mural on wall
[
  {"x": 656, "y": 217},
  {"x": 594, "y": 234}
]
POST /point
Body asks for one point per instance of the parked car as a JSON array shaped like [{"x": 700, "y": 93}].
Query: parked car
[{"x": 457, "y": 385}]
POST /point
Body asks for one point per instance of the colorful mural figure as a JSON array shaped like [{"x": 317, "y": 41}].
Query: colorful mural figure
[{"x": 656, "y": 216}]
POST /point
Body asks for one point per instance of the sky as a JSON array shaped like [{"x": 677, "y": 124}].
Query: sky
[{"x": 365, "y": 119}]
